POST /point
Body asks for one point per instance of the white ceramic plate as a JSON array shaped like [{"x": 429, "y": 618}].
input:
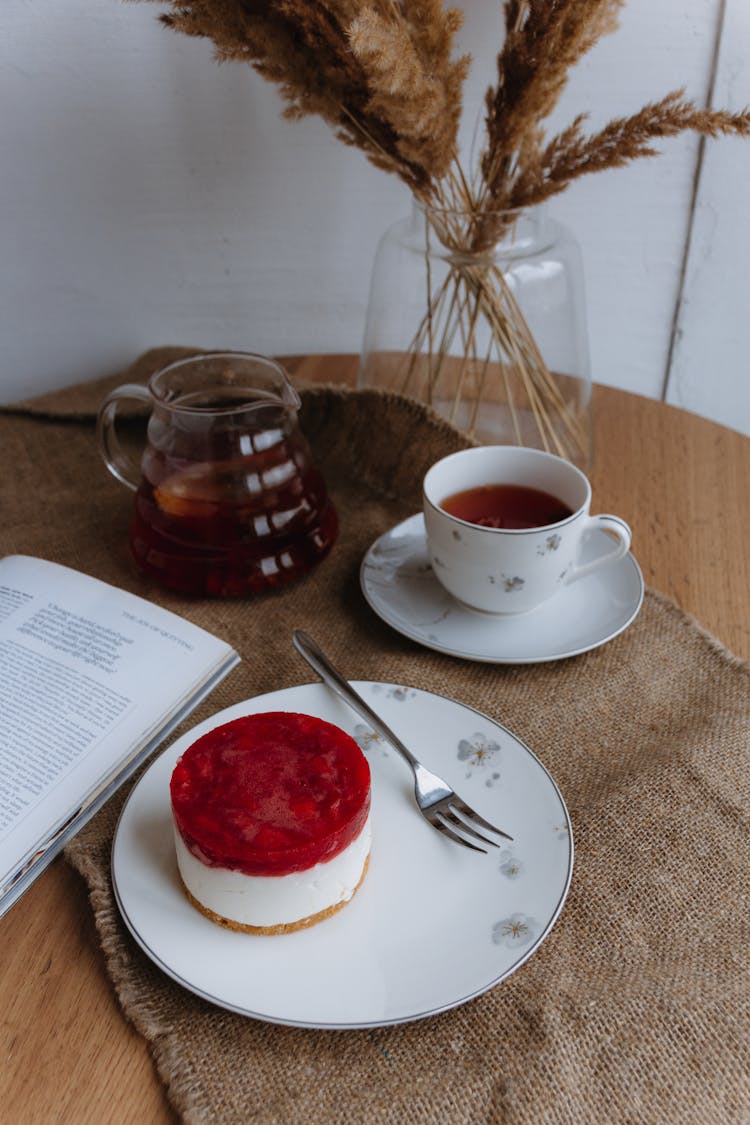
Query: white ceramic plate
[
  {"x": 398, "y": 582},
  {"x": 433, "y": 924}
]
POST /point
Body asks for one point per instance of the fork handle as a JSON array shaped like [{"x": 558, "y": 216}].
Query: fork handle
[{"x": 308, "y": 649}]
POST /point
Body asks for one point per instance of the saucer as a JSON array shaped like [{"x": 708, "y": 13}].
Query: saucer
[{"x": 398, "y": 582}]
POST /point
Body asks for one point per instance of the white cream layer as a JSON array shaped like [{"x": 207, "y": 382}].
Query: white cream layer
[{"x": 275, "y": 900}]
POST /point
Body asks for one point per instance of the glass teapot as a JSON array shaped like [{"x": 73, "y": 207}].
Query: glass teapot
[{"x": 228, "y": 501}]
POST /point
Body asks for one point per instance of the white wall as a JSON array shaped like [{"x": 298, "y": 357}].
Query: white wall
[
  {"x": 149, "y": 196},
  {"x": 710, "y": 369}
]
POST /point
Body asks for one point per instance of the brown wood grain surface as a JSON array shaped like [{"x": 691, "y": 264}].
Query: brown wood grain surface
[{"x": 67, "y": 1052}]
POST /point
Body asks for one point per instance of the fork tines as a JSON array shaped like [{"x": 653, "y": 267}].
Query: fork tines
[
  {"x": 456, "y": 820},
  {"x": 447, "y": 823}
]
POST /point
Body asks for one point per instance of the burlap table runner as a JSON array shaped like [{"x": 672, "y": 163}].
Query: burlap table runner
[{"x": 636, "y": 1006}]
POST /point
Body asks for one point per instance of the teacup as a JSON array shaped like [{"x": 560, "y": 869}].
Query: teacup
[{"x": 503, "y": 569}]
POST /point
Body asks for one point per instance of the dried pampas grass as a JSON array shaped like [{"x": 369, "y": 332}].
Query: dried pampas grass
[{"x": 383, "y": 75}]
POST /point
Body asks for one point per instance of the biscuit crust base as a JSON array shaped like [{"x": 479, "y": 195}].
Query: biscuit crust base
[{"x": 282, "y": 928}]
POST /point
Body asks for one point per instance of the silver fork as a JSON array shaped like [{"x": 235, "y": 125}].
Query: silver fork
[{"x": 437, "y": 802}]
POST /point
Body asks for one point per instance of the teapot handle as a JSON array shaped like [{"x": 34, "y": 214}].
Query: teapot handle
[{"x": 119, "y": 463}]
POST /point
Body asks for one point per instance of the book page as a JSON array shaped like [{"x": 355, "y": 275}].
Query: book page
[
  {"x": 52, "y": 717},
  {"x": 87, "y": 674}
]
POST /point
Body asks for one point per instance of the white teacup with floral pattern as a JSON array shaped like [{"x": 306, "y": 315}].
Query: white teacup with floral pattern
[{"x": 500, "y": 570}]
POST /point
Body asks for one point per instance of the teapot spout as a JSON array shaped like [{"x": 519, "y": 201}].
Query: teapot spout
[{"x": 289, "y": 393}]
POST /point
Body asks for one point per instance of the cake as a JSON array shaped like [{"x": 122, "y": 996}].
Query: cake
[{"x": 271, "y": 820}]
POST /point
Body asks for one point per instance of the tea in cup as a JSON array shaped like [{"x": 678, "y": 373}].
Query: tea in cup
[
  {"x": 227, "y": 500},
  {"x": 506, "y": 527}
]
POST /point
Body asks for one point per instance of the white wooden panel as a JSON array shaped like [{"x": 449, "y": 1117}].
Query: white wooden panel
[
  {"x": 631, "y": 222},
  {"x": 711, "y": 365}
]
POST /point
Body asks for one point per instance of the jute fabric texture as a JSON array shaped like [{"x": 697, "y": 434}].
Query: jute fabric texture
[{"x": 635, "y": 1008}]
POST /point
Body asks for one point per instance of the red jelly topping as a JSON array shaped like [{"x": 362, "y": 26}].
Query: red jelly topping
[{"x": 270, "y": 794}]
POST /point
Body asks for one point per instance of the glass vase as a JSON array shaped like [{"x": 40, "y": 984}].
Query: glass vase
[{"x": 482, "y": 317}]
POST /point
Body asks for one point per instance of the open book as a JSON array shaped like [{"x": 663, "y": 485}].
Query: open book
[{"x": 92, "y": 679}]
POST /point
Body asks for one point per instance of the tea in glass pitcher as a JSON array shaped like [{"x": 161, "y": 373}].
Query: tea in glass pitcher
[{"x": 228, "y": 501}]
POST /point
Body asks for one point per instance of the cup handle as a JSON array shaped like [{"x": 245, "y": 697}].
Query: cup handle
[
  {"x": 119, "y": 463},
  {"x": 621, "y": 548}
]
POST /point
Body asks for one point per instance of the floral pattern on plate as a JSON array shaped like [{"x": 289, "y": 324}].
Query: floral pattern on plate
[
  {"x": 510, "y": 865},
  {"x": 480, "y": 752},
  {"x": 515, "y": 931}
]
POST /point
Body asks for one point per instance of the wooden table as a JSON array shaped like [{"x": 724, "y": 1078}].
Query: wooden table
[{"x": 67, "y": 1053}]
